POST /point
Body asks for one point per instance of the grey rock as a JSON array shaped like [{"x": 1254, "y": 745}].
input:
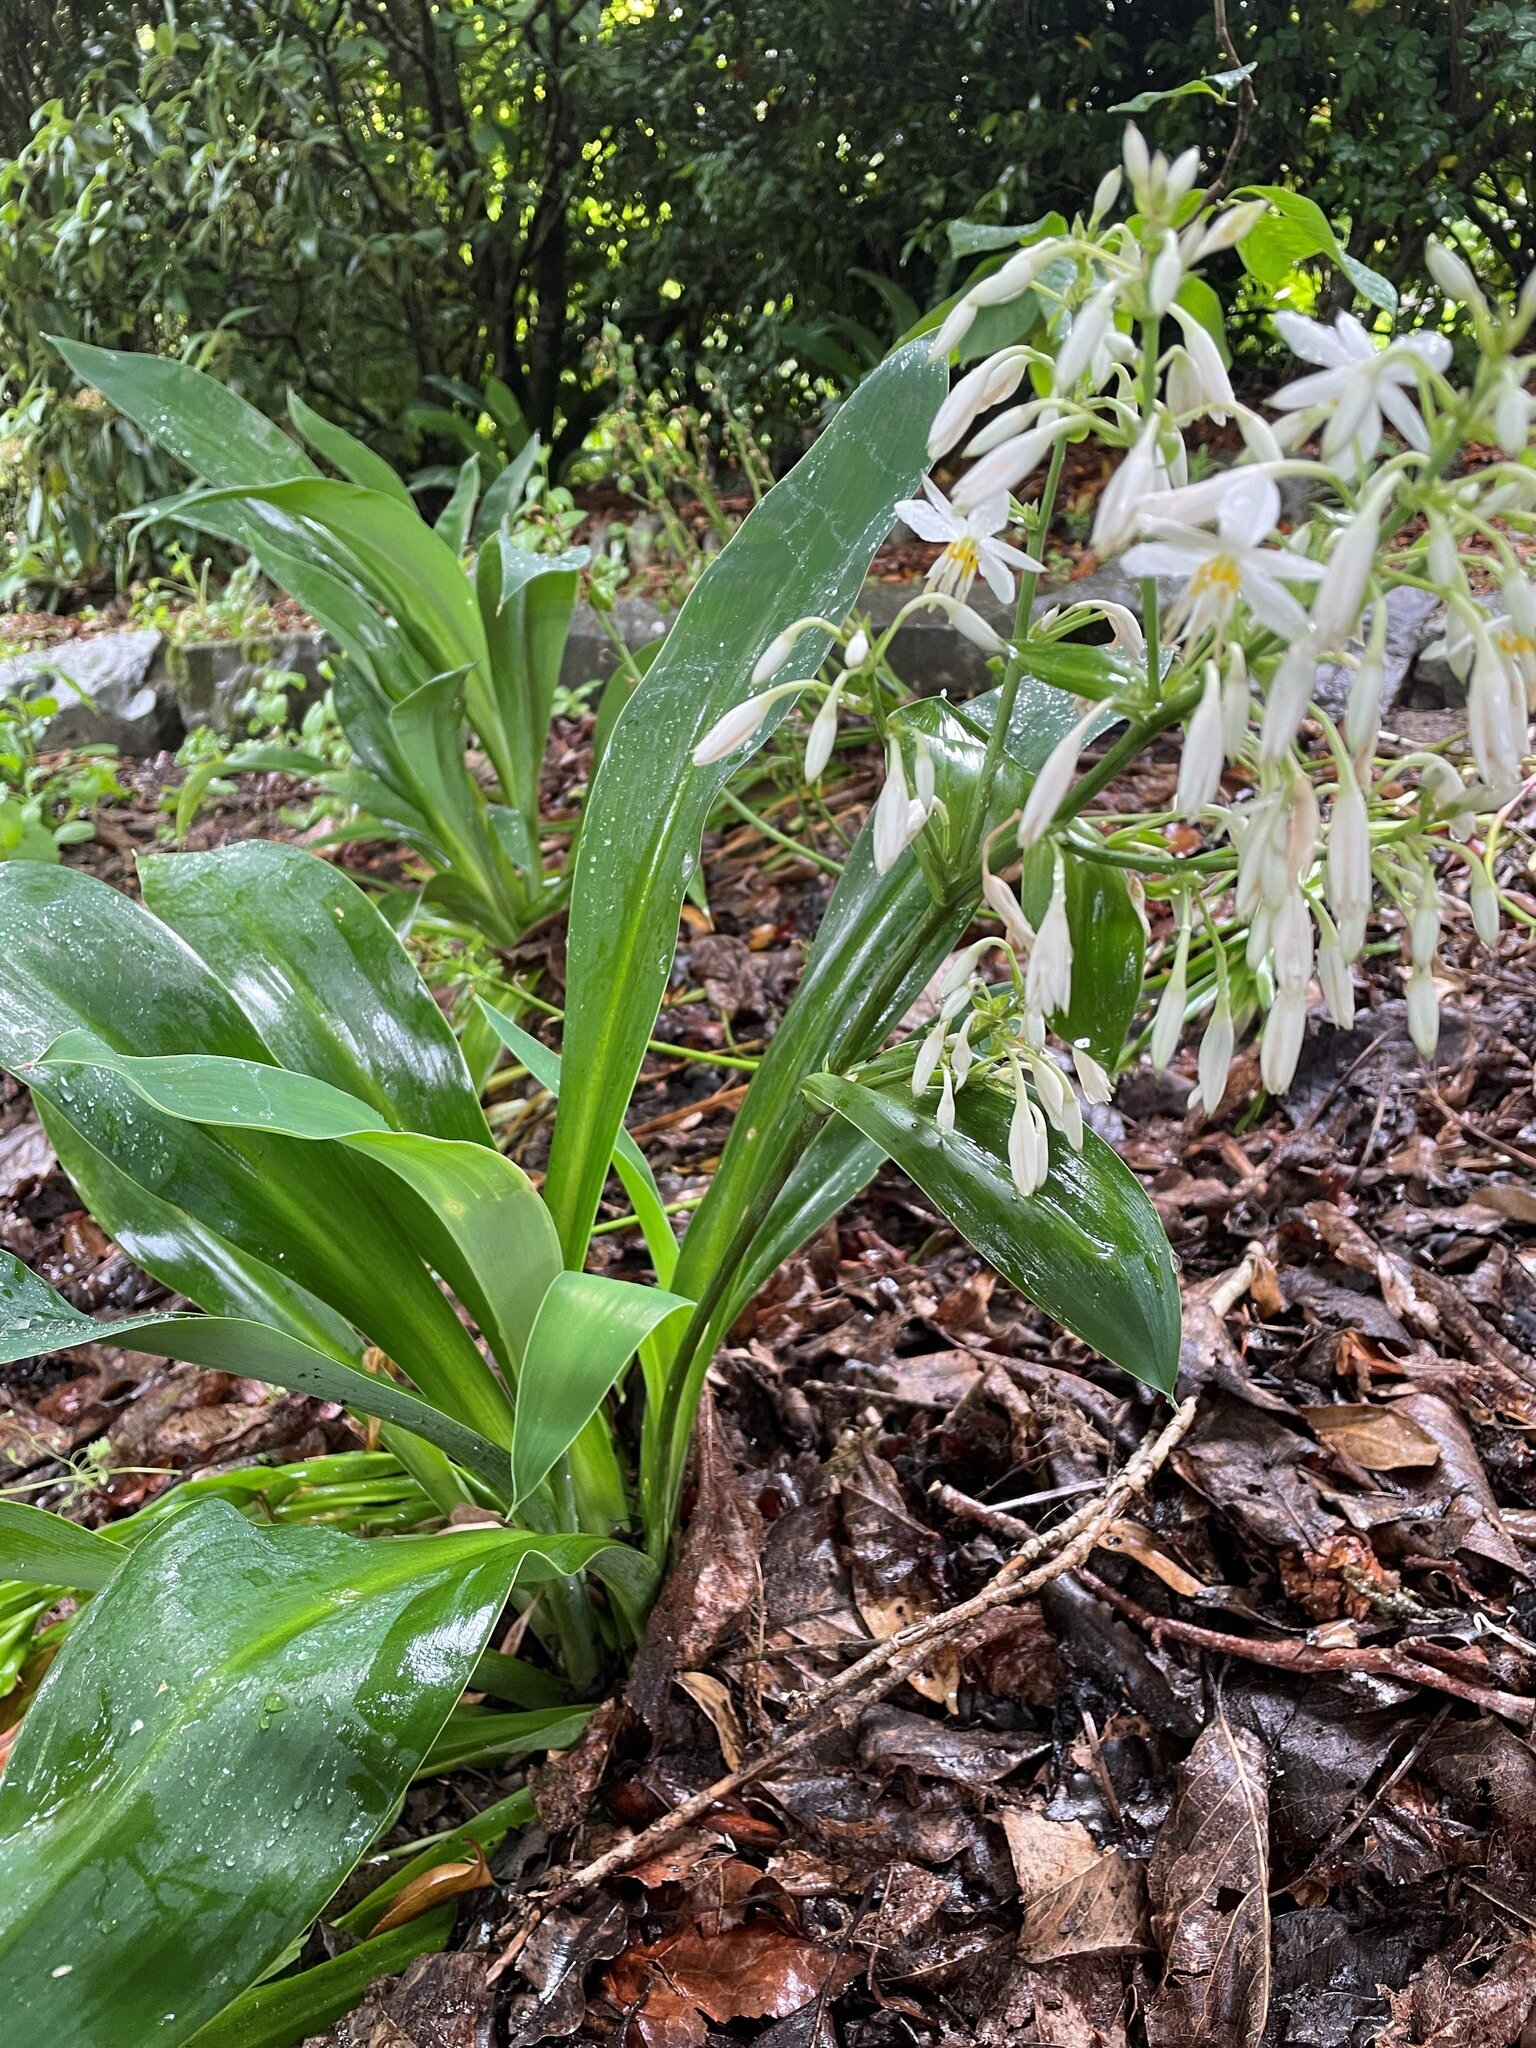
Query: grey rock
[
  {"x": 206, "y": 680},
  {"x": 1413, "y": 617},
  {"x": 104, "y": 689},
  {"x": 590, "y": 654},
  {"x": 1434, "y": 685}
]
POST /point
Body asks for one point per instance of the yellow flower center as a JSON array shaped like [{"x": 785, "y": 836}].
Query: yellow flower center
[
  {"x": 965, "y": 555},
  {"x": 1218, "y": 575},
  {"x": 1513, "y": 642}
]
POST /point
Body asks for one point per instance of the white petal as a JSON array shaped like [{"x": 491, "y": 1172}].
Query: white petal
[
  {"x": 1309, "y": 339},
  {"x": 1250, "y": 510},
  {"x": 927, "y": 522}
]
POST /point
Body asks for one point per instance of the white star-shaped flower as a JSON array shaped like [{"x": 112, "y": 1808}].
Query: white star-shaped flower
[
  {"x": 1357, "y": 382},
  {"x": 971, "y": 548},
  {"x": 1220, "y": 567}
]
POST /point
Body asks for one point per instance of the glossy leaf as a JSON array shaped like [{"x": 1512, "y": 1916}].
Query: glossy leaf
[
  {"x": 355, "y": 459},
  {"x": 322, "y": 977},
  {"x": 525, "y": 608},
  {"x": 477, "y": 1735},
  {"x": 34, "y": 1320},
  {"x": 44, "y": 1549},
  {"x": 629, "y": 1162},
  {"x": 1087, "y": 1247},
  {"x": 184, "y": 1797},
  {"x": 201, "y": 421},
  {"x": 587, "y": 1330},
  {"x": 477, "y": 1216},
  {"x": 80, "y": 955},
  {"x": 804, "y": 549}
]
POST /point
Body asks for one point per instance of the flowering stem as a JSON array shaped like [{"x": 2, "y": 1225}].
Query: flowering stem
[{"x": 997, "y": 739}]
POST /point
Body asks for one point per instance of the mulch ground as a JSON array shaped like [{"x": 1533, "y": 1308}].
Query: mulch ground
[{"x": 1260, "y": 1771}]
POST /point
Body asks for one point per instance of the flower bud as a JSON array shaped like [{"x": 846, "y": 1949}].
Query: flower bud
[
  {"x": 1165, "y": 275},
  {"x": 987, "y": 385},
  {"x": 929, "y": 1053},
  {"x": 1452, "y": 275},
  {"x": 1091, "y": 1077},
  {"x": 1290, "y": 692},
  {"x": 955, "y": 327},
  {"x": 1423, "y": 1012},
  {"x": 1214, "y": 1063},
  {"x": 1337, "y": 983},
  {"x": 729, "y": 732},
  {"x": 1484, "y": 901},
  {"x": 1280, "y": 1048},
  {"x": 944, "y": 1115},
  {"x": 1169, "y": 1020},
  {"x": 823, "y": 735},
  {"x": 1053, "y": 782},
  {"x": 1201, "y": 764},
  {"x": 960, "y": 1053},
  {"x": 1048, "y": 980},
  {"x": 892, "y": 808},
  {"x": 1028, "y": 1146},
  {"x": 1004, "y": 905},
  {"x": 777, "y": 652},
  {"x": 1349, "y": 864},
  {"x": 1106, "y": 195},
  {"x": 856, "y": 653}
]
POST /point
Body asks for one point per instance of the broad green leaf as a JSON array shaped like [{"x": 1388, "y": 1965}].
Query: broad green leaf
[
  {"x": 185, "y": 1796},
  {"x": 629, "y": 1162},
  {"x": 201, "y": 421},
  {"x": 1108, "y": 947},
  {"x": 43, "y": 1549},
  {"x": 413, "y": 573},
  {"x": 804, "y": 549},
  {"x": 427, "y": 730},
  {"x": 1087, "y": 1247},
  {"x": 321, "y": 976},
  {"x": 525, "y": 607},
  {"x": 80, "y": 955},
  {"x": 507, "y": 489},
  {"x": 1296, "y": 229},
  {"x": 34, "y": 1320},
  {"x": 477, "y": 1215},
  {"x": 290, "y": 2010},
  {"x": 453, "y": 522},
  {"x": 838, "y": 1164},
  {"x": 587, "y": 1330},
  {"x": 355, "y": 459}
]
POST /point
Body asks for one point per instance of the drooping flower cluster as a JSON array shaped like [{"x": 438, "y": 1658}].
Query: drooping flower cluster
[{"x": 1246, "y": 617}]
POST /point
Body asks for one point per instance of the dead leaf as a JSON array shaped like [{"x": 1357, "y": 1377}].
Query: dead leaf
[
  {"x": 442, "y": 2001},
  {"x": 1208, "y": 1882},
  {"x": 891, "y": 1565},
  {"x": 1130, "y": 1539},
  {"x": 431, "y": 1888},
  {"x": 1442, "y": 2009},
  {"x": 1250, "y": 1464},
  {"x": 1382, "y": 1439},
  {"x": 891, "y": 1740},
  {"x": 554, "y": 1963},
  {"x": 715, "y": 1698},
  {"x": 757, "y": 1972},
  {"x": 1512, "y": 1198},
  {"x": 1077, "y": 1899}
]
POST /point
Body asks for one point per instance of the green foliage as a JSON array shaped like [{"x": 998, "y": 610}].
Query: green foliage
[
  {"x": 425, "y": 643},
  {"x": 430, "y": 237},
  {"x": 46, "y": 804},
  {"x": 262, "y": 1103}
]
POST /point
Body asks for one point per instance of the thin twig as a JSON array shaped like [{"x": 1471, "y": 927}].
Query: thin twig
[
  {"x": 1247, "y": 100},
  {"x": 843, "y": 1698},
  {"x": 1382, "y": 1661}
]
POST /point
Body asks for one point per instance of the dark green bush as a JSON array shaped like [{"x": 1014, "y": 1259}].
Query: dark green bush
[{"x": 384, "y": 204}]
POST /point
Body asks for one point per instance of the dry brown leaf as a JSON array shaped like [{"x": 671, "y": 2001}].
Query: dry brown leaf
[
  {"x": 431, "y": 1888},
  {"x": 709, "y": 1693},
  {"x": 1440, "y": 2009},
  {"x": 1382, "y": 1439},
  {"x": 1077, "y": 1899},
  {"x": 1512, "y": 1198},
  {"x": 1208, "y": 1882},
  {"x": 738, "y": 1973},
  {"x": 1130, "y": 1539}
]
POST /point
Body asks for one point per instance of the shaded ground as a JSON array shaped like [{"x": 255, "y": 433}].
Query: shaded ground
[{"x": 1259, "y": 1770}]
